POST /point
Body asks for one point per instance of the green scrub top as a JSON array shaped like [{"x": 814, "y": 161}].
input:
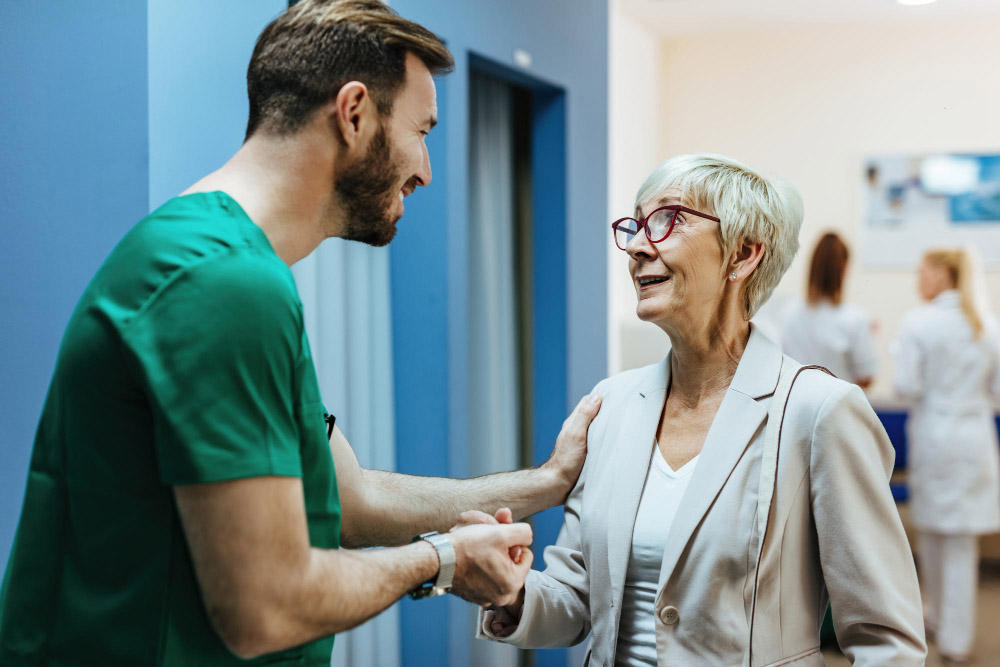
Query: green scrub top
[{"x": 186, "y": 361}]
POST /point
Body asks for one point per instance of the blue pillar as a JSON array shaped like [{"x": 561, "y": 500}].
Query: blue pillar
[{"x": 421, "y": 365}]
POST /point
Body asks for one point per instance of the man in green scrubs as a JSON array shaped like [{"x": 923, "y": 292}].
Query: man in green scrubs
[{"x": 185, "y": 505}]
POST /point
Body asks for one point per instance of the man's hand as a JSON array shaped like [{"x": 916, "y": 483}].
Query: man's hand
[
  {"x": 485, "y": 572},
  {"x": 503, "y": 515},
  {"x": 570, "y": 449},
  {"x": 505, "y": 618}
]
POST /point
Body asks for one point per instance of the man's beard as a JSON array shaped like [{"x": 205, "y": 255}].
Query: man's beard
[{"x": 368, "y": 190}]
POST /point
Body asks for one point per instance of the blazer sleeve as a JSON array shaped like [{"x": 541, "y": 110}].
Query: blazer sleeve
[
  {"x": 865, "y": 556},
  {"x": 556, "y": 608}
]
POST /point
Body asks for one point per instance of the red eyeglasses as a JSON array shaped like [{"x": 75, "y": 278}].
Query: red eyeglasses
[{"x": 658, "y": 224}]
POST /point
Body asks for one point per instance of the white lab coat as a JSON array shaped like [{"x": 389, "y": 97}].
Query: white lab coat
[
  {"x": 954, "y": 463},
  {"x": 836, "y": 337}
]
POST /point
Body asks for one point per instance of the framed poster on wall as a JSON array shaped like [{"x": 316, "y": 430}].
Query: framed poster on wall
[{"x": 914, "y": 202}]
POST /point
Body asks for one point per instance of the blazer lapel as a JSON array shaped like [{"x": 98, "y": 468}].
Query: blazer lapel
[
  {"x": 632, "y": 456},
  {"x": 731, "y": 432},
  {"x": 736, "y": 423}
]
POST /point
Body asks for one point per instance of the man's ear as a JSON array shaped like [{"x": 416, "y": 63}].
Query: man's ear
[
  {"x": 351, "y": 110},
  {"x": 748, "y": 256}
]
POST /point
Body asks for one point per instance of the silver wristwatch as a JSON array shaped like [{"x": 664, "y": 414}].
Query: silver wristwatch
[{"x": 446, "y": 555}]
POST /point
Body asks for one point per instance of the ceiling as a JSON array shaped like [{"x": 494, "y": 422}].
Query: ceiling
[{"x": 673, "y": 16}]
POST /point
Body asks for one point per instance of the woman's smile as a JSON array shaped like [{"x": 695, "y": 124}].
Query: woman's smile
[{"x": 649, "y": 283}]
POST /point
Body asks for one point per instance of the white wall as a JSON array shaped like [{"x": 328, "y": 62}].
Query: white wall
[
  {"x": 634, "y": 140},
  {"x": 808, "y": 103}
]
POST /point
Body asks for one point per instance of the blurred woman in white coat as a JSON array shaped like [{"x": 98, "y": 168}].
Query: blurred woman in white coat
[
  {"x": 947, "y": 365},
  {"x": 825, "y": 331},
  {"x": 720, "y": 506}
]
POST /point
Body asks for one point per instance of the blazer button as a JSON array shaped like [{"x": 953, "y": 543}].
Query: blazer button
[{"x": 669, "y": 615}]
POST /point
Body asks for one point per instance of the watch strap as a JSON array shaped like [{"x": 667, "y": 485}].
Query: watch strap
[
  {"x": 446, "y": 566},
  {"x": 446, "y": 554}
]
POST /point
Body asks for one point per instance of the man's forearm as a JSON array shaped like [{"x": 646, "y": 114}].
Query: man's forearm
[
  {"x": 401, "y": 506},
  {"x": 383, "y": 508},
  {"x": 339, "y": 590},
  {"x": 360, "y": 584}
]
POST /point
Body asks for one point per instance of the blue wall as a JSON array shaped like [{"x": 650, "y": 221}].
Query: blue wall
[
  {"x": 198, "y": 56},
  {"x": 568, "y": 45},
  {"x": 110, "y": 111},
  {"x": 113, "y": 107},
  {"x": 73, "y": 179}
]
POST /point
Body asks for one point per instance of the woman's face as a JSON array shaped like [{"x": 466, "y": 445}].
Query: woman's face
[
  {"x": 680, "y": 280},
  {"x": 932, "y": 279}
]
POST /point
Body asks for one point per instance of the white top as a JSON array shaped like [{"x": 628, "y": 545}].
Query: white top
[
  {"x": 661, "y": 497},
  {"x": 839, "y": 338}
]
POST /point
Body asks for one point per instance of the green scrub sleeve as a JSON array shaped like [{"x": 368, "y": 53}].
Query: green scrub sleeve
[{"x": 218, "y": 350}]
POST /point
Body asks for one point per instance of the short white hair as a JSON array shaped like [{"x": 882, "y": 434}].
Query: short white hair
[{"x": 750, "y": 206}]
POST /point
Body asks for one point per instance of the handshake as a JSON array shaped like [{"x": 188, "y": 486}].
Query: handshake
[
  {"x": 492, "y": 558},
  {"x": 493, "y": 554}
]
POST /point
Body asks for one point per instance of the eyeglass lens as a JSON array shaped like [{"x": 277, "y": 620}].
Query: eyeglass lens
[
  {"x": 626, "y": 231},
  {"x": 659, "y": 224},
  {"x": 659, "y": 228}
]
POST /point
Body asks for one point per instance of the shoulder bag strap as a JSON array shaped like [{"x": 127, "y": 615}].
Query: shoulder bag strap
[{"x": 769, "y": 473}]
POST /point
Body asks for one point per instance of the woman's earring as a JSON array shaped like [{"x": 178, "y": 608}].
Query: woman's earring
[{"x": 732, "y": 276}]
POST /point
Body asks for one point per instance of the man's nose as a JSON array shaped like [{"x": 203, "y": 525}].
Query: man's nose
[{"x": 423, "y": 174}]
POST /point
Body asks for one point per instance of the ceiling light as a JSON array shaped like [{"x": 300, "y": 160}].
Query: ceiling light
[{"x": 913, "y": 3}]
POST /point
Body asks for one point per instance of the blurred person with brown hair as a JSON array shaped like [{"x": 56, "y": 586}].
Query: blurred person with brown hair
[
  {"x": 947, "y": 365},
  {"x": 825, "y": 331}
]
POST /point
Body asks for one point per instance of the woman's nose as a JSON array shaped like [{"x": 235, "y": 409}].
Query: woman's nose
[{"x": 640, "y": 246}]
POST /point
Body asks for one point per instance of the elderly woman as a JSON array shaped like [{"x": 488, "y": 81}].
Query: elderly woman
[{"x": 720, "y": 506}]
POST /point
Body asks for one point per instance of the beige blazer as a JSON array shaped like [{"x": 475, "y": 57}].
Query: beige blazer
[{"x": 833, "y": 533}]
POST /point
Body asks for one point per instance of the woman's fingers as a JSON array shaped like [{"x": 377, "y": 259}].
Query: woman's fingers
[{"x": 504, "y": 515}]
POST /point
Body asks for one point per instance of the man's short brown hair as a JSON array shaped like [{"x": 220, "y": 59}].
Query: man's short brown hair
[{"x": 307, "y": 54}]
